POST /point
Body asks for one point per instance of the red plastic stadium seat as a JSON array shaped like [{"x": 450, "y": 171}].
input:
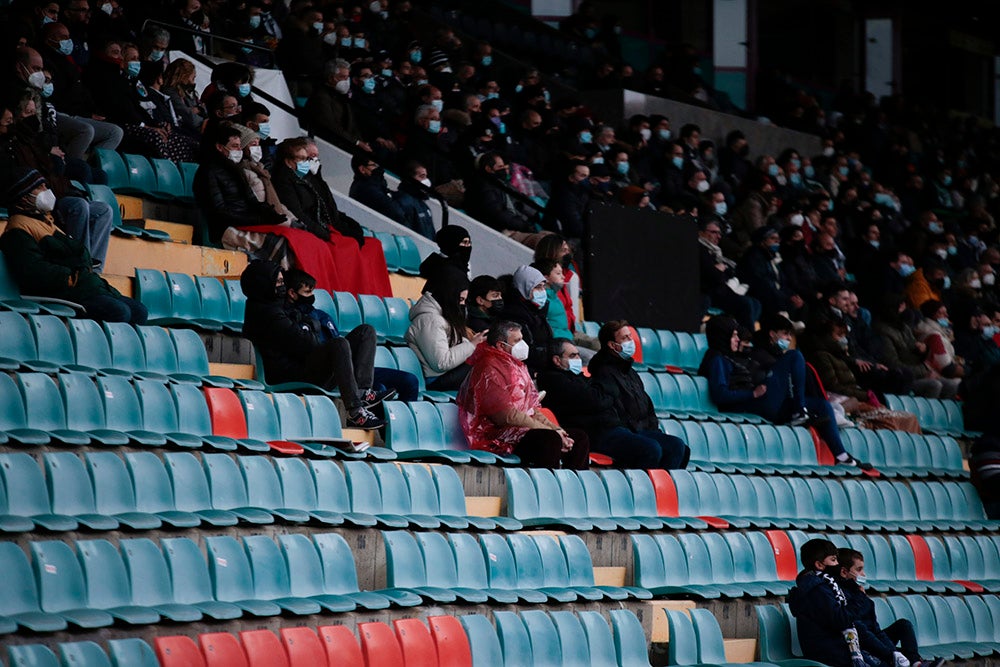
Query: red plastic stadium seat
[
  {"x": 921, "y": 558},
  {"x": 341, "y": 646},
  {"x": 785, "y": 557},
  {"x": 227, "y": 413},
  {"x": 415, "y": 640},
  {"x": 379, "y": 645},
  {"x": 177, "y": 652},
  {"x": 263, "y": 649},
  {"x": 304, "y": 648},
  {"x": 666, "y": 492},
  {"x": 222, "y": 649},
  {"x": 451, "y": 641}
]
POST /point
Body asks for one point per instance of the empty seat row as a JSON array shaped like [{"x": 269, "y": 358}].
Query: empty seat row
[
  {"x": 181, "y": 300},
  {"x": 661, "y": 348},
  {"x": 823, "y": 504},
  {"x": 48, "y": 344},
  {"x": 935, "y": 415},
  {"x": 12, "y": 299},
  {"x": 518, "y": 567},
  {"x": 950, "y": 627},
  {"x": 94, "y": 584},
  {"x": 140, "y": 491},
  {"x": 103, "y": 193},
  {"x": 431, "y": 431},
  {"x": 138, "y": 175},
  {"x": 121, "y": 653},
  {"x": 440, "y": 641},
  {"x": 678, "y": 499},
  {"x": 696, "y": 639},
  {"x": 787, "y": 450},
  {"x": 73, "y": 409}
]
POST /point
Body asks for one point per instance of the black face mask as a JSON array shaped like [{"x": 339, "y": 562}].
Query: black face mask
[
  {"x": 566, "y": 260},
  {"x": 462, "y": 254},
  {"x": 279, "y": 291},
  {"x": 306, "y": 300},
  {"x": 496, "y": 305},
  {"x": 833, "y": 571}
]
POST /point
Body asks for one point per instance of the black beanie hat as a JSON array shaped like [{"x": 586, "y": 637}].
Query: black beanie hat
[
  {"x": 449, "y": 237},
  {"x": 23, "y": 181}
]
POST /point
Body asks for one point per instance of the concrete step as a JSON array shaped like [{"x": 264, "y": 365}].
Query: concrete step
[{"x": 125, "y": 254}]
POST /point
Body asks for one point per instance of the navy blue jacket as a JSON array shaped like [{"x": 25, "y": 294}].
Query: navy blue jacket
[
  {"x": 821, "y": 620},
  {"x": 873, "y": 639}
]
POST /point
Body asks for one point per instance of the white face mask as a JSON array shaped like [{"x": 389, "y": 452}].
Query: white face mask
[
  {"x": 314, "y": 166},
  {"x": 256, "y": 153},
  {"x": 989, "y": 278},
  {"x": 107, "y": 8},
  {"x": 796, "y": 219},
  {"x": 828, "y": 151},
  {"x": 703, "y": 186},
  {"x": 45, "y": 201},
  {"x": 426, "y": 182},
  {"x": 236, "y": 156},
  {"x": 520, "y": 350},
  {"x": 342, "y": 86},
  {"x": 36, "y": 80},
  {"x": 645, "y": 133},
  {"x": 976, "y": 283}
]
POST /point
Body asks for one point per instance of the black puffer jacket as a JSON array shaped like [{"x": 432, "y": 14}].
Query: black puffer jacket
[
  {"x": 308, "y": 205},
  {"x": 534, "y": 327},
  {"x": 285, "y": 343},
  {"x": 225, "y": 197},
  {"x": 578, "y": 402},
  {"x": 616, "y": 377}
]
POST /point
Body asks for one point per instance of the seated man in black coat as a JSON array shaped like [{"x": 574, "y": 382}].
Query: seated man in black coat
[
  {"x": 577, "y": 402},
  {"x": 222, "y": 192},
  {"x": 369, "y": 188},
  {"x": 292, "y": 348},
  {"x": 611, "y": 370}
]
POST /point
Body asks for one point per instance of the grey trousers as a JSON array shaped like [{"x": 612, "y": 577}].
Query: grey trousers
[{"x": 78, "y": 134}]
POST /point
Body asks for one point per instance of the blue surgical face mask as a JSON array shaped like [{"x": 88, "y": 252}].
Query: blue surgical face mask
[
  {"x": 415, "y": 56},
  {"x": 944, "y": 322},
  {"x": 809, "y": 171},
  {"x": 368, "y": 85},
  {"x": 796, "y": 179},
  {"x": 244, "y": 89},
  {"x": 861, "y": 580},
  {"x": 264, "y": 130},
  {"x": 952, "y": 250},
  {"x": 829, "y": 205},
  {"x": 302, "y": 168},
  {"x": 434, "y": 126},
  {"x": 843, "y": 170},
  {"x": 721, "y": 208},
  {"x": 318, "y": 26},
  {"x": 133, "y": 68},
  {"x": 540, "y": 298},
  {"x": 487, "y": 61},
  {"x": 622, "y": 167},
  {"x": 346, "y": 41},
  {"x": 875, "y": 244},
  {"x": 772, "y": 170},
  {"x": 66, "y": 47},
  {"x": 576, "y": 366},
  {"x": 677, "y": 161},
  {"x": 628, "y": 349},
  {"x": 255, "y": 21},
  {"x": 989, "y": 331},
  {"x": 783, "y": 344},
  {"x": 774, "y": 247},
  {"x": 906, "y": 270},
  {"x": 843, "y": 342},
  {"x": 492, "y": 96},
  {"x": 438, "y": 105},
  {"x": 797, "y": 162},
  {"x": 387, "y": 72},
  {"x": 883, "y": 199},
  {"x": 947, "y": 282},
  {"x": 935, "y": 228},
  {"x": 664, "y": 134},
  {"x": 359, "y": 42},
  {"x": 586, "y": 137},
  {"x": 946, "y": 181},
  {"x": 47, "y": 89},
  {"x": 155, "y": 56}
]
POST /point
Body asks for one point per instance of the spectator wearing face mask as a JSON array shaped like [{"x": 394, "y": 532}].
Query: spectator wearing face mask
[
  {"x": 567, "y": 208},
  {"x": 719, "y": 284},
  {"x": 974, "y": 332},
  {"x": 500, "y": 410},
  {"x": 329, "y": 109},
  {"x": 528, "y": 304},
  {"x": 45, "y": 261},
  {"x": 935, "y": 331},
  {"x": 903, "y": 352},
  {"x": 455, "y": 247},
  {"x": 759, "y": 268},
  {"x": 930, "y": 282},
  {"x": 495, "y": 207},
  {"x": 179, "y": 85},
  {"x": 257, "y": 176},
  {"x": 411, "y": 196},
  {"x": 370, "y": 188},
  {"x": 485, "y": 303}
]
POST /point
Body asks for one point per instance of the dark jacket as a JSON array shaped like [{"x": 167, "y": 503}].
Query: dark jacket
[
  {"x": 765, "y": 281},
  {"x": 577, "y": 402},
  {"x": 566, "y": 211},
  {"x": 534, "y": 327},
  {"x": 478, "y": 319},
  {"x": 616, "y": 377},
  {"x": 413, "y": 203},
  {"x": 821, "y": 620},
  {"x": 730, "y": 383},
  {"x": 225, "y": 197},
  {"x": 310, "y": 207},
  {"x": 373, "y": 192},
  {"x": 69, "y": 95},
  {"x": 284, "y": 336},
  {"x": 495, "y": 208},
  {"x": 870, "y": 634},
  {"x": 833, "y": 365},
  {"x": 330, "y": 112},
  {"x": 110, "y": 87}
]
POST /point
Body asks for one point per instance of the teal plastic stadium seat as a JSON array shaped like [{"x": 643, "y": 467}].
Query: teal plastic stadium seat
[
  {"x": 103, "y": 193},
  {"x": 112, "y": 164},
  {"x": 47, "y": 414},
  {"x": 389, "y": 249},
  {"x": 27, "y": 496},
  {"x": 630, "y": 640},
  {"x": 19, "y": 600},
  {"x": 141, "y": 178},
  {"x": 85, "y": 654},
  {"x": 306, "y": 575},
  {"x": 545, "y": 644},
  {"x": 61, "y": 586},
  {"x": 373, "y": 312},
  {"x": 108, "y": 585},
  {"x": 483, "y": 640},
  {"x": 32, "y": 655},
  {"x": 271, "y": 579},
  {"x": 409, "y": 255},
  {"x": 186, "y": 302},
  {"x": 149, "y": 579},
  {"x": 398, "y": 312},
  {"x": 233, "y": 579},
  {"x": 348, "y": 312},
  {"x": 513, "y": 638},
  {"x": 71, "y": 492},
  {"x": 342, "y": 579},
  {"x": 169, "y": 184},
  {"x": 191, "y": 580},
  {"x": 131, "y": 652}
]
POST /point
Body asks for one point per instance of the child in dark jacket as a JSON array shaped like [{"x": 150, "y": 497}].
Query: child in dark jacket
[
  {"x": 875, "y": 640},
  {"x": 826, "y": 627}
]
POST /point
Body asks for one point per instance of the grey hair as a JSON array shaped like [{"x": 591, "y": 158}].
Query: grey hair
[
  {"x": 423, "y": 111},
  {"x": 331, "y": 66},
  {"x": 154, "y": 34},
  {"x": 501, "y": 331}
]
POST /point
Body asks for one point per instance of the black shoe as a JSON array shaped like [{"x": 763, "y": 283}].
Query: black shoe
[
  {"x": 364, "y": 420},
  {"x": 371, "y": 398},
  {"x": 800, "y": 418},
  {"x": 851, "y": 461}
]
